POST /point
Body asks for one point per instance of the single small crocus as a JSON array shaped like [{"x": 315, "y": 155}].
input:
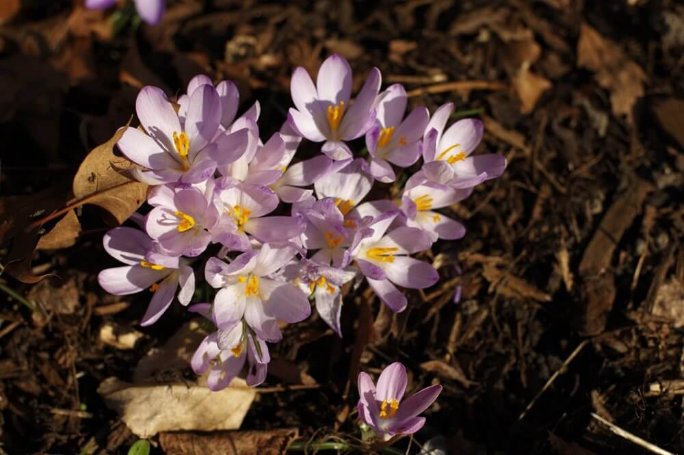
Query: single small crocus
[
  {"x": 394, "y": 139},
  {"x": 146, "y": 268},
  {"x": 325, "y": 113},
  {"x": 419, "y": 203},
  {"x": 150, "y": 11},
  {"x": 382, "y": 407}
]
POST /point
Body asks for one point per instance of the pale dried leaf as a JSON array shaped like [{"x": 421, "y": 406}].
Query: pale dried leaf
[
  {"x": 62, "y": 235},
  {"x": 101, "y": 180},
  {"x": 669, "y": 302},
  {"x": 347, "y": 48},
  {"x": 447, "y": 371},
  {"x": 529, "y": 87},
  {"x": 513, "y": 287},
  {"x": 119, "y": 338},
  {"x": 150, "y": 409}
]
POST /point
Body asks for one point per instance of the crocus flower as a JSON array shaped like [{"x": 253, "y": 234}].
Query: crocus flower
[
  {"x": 145, "y": 268},
  {"x": 392, "y": 140},
  {"x": 447, "y": 153},
  {"x": 418, "y": 204},
  {"x": 347, "y": 186},
  {"x": 382, "y": 407},
  {"x": 383, "y": 259},
  {"x": 170, "y": 150},
  {"x": 324, "y": 112},
  {"x": 224, "y": 354},
  {"x": 151, "y": 11},
  {"x": 181, "y": 222},
  {"x": 247, "y": 290}
]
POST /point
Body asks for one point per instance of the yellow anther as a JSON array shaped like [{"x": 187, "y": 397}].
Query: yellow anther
[
  {"x": 451, "y": 158},
  {"x": 241, "y": 215},
  {"x": 335, "y": 114},
  {"x": 237, "y": 350},
  {"x": 388, "y": 408},
  {"x": 382, "y": 254},
  {"x": 150, "y": 265},
  {"x": 186, "y": 221},
  {"x": 252, "y": 287},
  {"x": 385, "y": 136},
  {"x": 182, "y": 143},
  {"x": 350, "y": 224},
  {"x": 322, "y": 282},
  {"x": 423, "y": 202},
  {"x": 345, "y": 205},
  {"x": 332, "y": 240},
  {"x": 436, "y": 218},
  {"x": 154, "y": 287}
]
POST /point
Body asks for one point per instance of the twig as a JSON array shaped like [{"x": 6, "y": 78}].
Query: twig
[
  {"x": 456, "y": 86},
  {"x": 71, "y": 413},
  {"x": 285, "y": 388},
  {"x": 553, "y": 377},
  {"x": 630, "y": 437},
  {"x": 16, "y": 296},
  {"x": 9, "y": 328}
]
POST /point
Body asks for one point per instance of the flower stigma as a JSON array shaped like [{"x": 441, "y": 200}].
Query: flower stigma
[
  {"x": 382, "y": 254},
  {"x": 385, "y": 136},
  {"x": 182, "y": 143},
  {"x": 151, "y": 265},
  {"x": 423, "y": 202},
  {"x": 388, "y": 408},
  {"x": 335, "y": 114},
  {"x": 186, "y": 221}
]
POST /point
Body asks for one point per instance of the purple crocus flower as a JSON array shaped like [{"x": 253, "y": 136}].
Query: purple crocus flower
[
  {"x": 418, "y": 204},
  {"x": 347, "y": 186},
  {"x": 324, "y": 112},
  {"x": 447, "y": 153},
  {"x": 392, "y": 140},
  {"x": 151, "y": 11},
  {"x": 145, "y": 268},
  {"x": 383, "y": 259},
  {"x": 174, "y": 150},
  {"x": 248, "y": 291},
  {"x": 225, "y": 352},
  {"x": 181, "y": 221},
  {"x": 382, "y": 407}
]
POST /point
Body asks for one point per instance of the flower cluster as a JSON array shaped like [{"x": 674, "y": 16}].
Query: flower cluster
[{"x": 271, "y": 232}]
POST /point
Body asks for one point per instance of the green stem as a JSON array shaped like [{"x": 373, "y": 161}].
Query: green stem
[
  {"x": 16, "y": 296},
  {"x": 301, "y": 446}
]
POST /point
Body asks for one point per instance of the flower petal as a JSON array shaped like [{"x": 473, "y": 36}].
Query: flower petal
[
  {"x": 392, "y": 383},
  {"x": 275, "y": 228},
  {"x": 417, "y": 403},
  {"x": 467, "y": 133},
  {"x": 361, "y": 116},
  {"x": 157, "y": 115},
  {"x": 145, "y": 151},
  {"x": 389, "y": 294},
  {"x": 334, "y": 81},
  {"x": 151, "y": 11},
  {"x": 411, "y": 273},
  {"x": 286, "y": 302},
  {"x": 302, "y": 89},
  {"x": 230, "y": 101},
  {"x": 126, "y": 244},
  {"x": 229, "y": 306},
  {"x": 203, "y": 116},
  {"x": 161, "y": 300},
  {"x": 305, "y": 125}
]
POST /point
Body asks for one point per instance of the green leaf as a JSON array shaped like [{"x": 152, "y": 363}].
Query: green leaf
[{"x": 140, "y": 447}]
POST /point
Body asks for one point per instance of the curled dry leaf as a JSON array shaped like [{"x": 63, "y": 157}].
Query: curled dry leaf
[
  {"x": 269, "y": 442},
  {"x": 63, "y": 235},
  {"x": 149, "y": 409},
  {"x": 615, "y": 72},
  {"x": 101, "y": 180}
]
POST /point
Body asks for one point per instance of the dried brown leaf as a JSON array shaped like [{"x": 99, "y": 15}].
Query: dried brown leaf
[
  {"x": 9, "y": 9},
  {"x": 62, "y": 235},
  {"x": 670, "y": 114},
  {"x": 101, "y": 181},
  {"x": 56, "y": 297},
  {"x": 270, "y": 442},
  {"x": 447, "y": 371},
  {"x": 529, "y": 87},
  {"x": 150, "y": 409},
  {"x": 614, "y": 70},
  {"x": 513, "y": 287},
  {"x": 669, "y": 302}
]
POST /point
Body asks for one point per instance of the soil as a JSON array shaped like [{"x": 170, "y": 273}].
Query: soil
[{"x": 571, "y": 275}]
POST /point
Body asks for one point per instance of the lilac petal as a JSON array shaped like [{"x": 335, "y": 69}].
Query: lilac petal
[
  {"x": 408, "y": 426},
  {"x": 271, "y": 154},
  {"x": 272, "y": 258},
  {"x": 198, "y": 81},
  {"x": 286, "y": 302},
  {"x": 304, "y": 125},
  {"x": 467, "y": 133},
  {"x": 275, "y": 228},
  {"x": 413, "y": 126},
  {"x": 201, "y": 308},
  {"x": 145, "y": 151},
  {"x": 366, "y": 389},
  {"x": 99, "y": 4},
  {"x": 216, "y": 269},
  {"x": 334, "y": 81},
  {"x": 439, "y": 119},
  {"x": 392, "y": 383},
  {"x": 306, "y": 172},
  {"x": 443, "y": 226},
  {"x": 389, "y": 294},
  {"x": 161, "y": 300},
  {"x": 258, "y": 199},
  {"x": 264, "y": 357},
  {"x": 370, "y": 270},
  {"x": 360, "y": 116},
  {"x": 199, "y": 172},
  {"x": 117, "y": 280},
  {"x": 252, "y": 114},
  {"x": 302, "y": 89},
  {"x": 382, "y": 171},
  {"x": 128, "y": 245},
  {"x": 258, "y": 367},
  {"x": 229, "y": 306},
  {"x": 257, "y": 374},
  {"x": 157, "y": 116},
  {"x": 229, "y": 339},
  {"x": 429, "y": 145},
  {"x": 417, "y": 403},
  {"x": 336, "y": 150},
  {"x": 231, "y": 146},
  {"x": 266, "y": 327},
  {"x": 467, "y": 182},
  {"x": 438, "y": 171},
  {"x": 490, "y": 164},
  {"x": 204, "y": 354},
  {"x": 411, "y": 273},
  {"x": 350, "y": 183},
  {"x": 291, "y": 194},
  {"x": 230, "y": 100},
  {"x": 404, "y": 156},
  {"x": 263, "y": 178},
  {"x": 390, "y": 110},
  {"x": 203, "y": 116},
  {"x": 186, "y": 280},
  {"x": 329, "y": 306},
  {"x": 151, "y": 11},
  {"x": 220, "y": 376},
  {"x": 410, "y": 240}
]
